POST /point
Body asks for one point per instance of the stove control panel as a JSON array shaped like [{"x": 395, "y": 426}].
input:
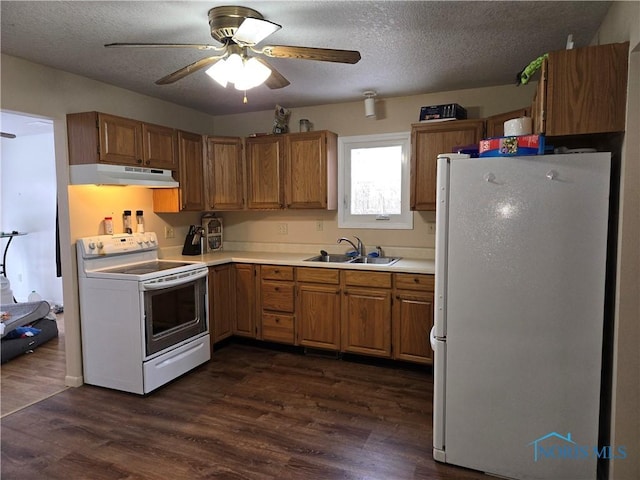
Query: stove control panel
[{"x": 102, "y": 245}]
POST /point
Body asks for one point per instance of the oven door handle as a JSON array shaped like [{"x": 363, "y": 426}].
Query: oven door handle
[{"x": 181, "y": 280}]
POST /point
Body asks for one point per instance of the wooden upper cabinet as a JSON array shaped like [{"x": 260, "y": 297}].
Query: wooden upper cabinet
[
  {"x": 583, "y": 91},
  {"x": 311, "y": 170},
  {"x": 494, "y": 125},
  {"x": 428, "y": 140},
  {"x": 95, "y": 137},
  {"x": 224, "y": 173},
  {"x": 265, "y": 172},
  {"x": 191, "y": 156},
  {"x": 159, "y": 147}
]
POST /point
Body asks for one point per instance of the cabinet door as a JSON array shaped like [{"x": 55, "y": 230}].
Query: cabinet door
[
  {"x": 318, "y": 316},
  {"x": 265, "y": 172},
  {"x": 586, "y": 90},
  {"x": 311, "y": 169},
  {"x": 225, "y": 184},
  {"x": 412, "y": 322},
  {"x": 190, "y": 150},
  {"x": 429, "y": 140},
  {"x": 120, "y": 140},
  {"x": 366, "y": 321},
  {"x": 159, "y": 147},
  {"x": 221, "y": 301},
  {"x": 494, "y": 125},
  {"x": 245, "y": 300}
]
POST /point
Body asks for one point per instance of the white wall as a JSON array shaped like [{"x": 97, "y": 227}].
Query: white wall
[{"x": 28, "y": 184}]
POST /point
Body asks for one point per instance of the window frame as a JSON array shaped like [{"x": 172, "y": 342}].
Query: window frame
[{"x": 402, "y": 221}]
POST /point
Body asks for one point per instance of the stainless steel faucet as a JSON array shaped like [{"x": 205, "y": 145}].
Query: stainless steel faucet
[{"x": 359, "y": 248}]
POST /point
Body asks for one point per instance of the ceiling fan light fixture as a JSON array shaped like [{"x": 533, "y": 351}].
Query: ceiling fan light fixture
[
  {"x": 218, "y": 72},
  {"x": 253, "y": 30},
  {"x": 254, "y": 73},
  {"x": 244, "y": 73}
]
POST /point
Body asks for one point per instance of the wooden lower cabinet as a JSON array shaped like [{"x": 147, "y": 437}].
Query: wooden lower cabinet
[
  {"x": 380, "y": 314},
  {"x": 318, "y": 308},
  {"x": 412, "y": 317},
  {"x": 277, "y": 303},
  {"x": 221, "y": 302},
  {"x": 366, "y": 313},
  {"x": 245, "y": 300}
]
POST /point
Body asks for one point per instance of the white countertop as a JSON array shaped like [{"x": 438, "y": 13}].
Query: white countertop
[{"x": 404, "y": 265}]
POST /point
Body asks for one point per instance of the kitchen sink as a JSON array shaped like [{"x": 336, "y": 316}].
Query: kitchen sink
[
  {"x": 331, "y": 258},
  {"x": 376, "y": 260},
  {"x": 337, "y": 258}
]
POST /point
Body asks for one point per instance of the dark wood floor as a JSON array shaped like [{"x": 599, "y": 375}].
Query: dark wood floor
[{"x": 250, "y": 413}]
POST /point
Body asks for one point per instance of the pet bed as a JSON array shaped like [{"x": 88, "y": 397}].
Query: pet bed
[{"x": 26, "y": 326}]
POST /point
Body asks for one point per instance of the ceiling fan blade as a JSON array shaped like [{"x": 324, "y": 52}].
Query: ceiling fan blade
[
  {"x": 189, "y": 69},
  {"x": 253, "y": 30},
  {"x": 166, "y": 45},
  {"x": 276, "y": 79},
  {"x": 309, "y": 53}
]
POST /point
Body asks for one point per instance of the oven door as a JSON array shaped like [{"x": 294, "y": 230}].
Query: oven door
[{"x": 175, "y": 309}]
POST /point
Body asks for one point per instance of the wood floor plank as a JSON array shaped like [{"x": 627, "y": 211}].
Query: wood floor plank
[{"x": 249, "y": 413}]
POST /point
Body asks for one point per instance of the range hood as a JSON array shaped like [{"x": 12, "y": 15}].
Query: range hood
[{"x": 104, "y": 174}]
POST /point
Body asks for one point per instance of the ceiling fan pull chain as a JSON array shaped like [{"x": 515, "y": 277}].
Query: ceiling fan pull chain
[{"x": 244, "y": 100}]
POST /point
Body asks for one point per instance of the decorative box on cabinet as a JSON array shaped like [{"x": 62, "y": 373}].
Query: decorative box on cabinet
[
  {"x": 428, "y": 140},
  {"x": 95, "y": 137},
  {"x": 582, "y": 91}
]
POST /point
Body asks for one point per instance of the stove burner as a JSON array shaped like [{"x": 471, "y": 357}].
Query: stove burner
[{"x": 144, "y": 268}]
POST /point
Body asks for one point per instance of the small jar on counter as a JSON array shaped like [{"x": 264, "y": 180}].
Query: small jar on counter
[
  {"x": 126, "y": 221},
  {"x": 139, "y": 221},
  {"x": 108, "y": 225}
]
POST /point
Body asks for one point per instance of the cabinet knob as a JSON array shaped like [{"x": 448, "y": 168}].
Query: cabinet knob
[
  {"x": 277, "y": 289},
  {"x": 139, "y": 160},
  {"x": 417, "y": 280}
]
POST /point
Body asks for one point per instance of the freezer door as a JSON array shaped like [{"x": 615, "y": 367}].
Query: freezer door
[{"x": 525, "y": 283}]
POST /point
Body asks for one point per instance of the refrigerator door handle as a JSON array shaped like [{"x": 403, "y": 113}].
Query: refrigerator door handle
[
  {"x": 439, "y": 386},
  {"x": 442, "y": 233}
]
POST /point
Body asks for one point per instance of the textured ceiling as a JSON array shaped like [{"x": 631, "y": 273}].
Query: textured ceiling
[{"x": 407, "y": 48}]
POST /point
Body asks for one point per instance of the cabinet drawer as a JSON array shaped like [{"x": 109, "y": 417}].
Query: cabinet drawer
[
  {"x": 277, "y": 296},
  {"x": 367, "y": 279},
  {"x": 410, "y": 281},
  {"x": 277, "y": 328},
  {"x": 273, "y": 272},
  {"x": 318, "y": 275}
]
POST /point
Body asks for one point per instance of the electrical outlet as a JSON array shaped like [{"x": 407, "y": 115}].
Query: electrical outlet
[
  {"x": 169, "y": 232},
  {"x": 283, "y": 229},
  {"x": 319, "y": 226}
]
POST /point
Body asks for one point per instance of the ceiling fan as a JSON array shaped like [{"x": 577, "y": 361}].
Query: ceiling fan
[{"x": 239, "y": 30}]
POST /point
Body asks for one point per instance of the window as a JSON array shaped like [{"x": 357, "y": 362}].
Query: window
[{"x": 373, "y": 181}]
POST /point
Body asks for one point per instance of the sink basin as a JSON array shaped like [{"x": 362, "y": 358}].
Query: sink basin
[
  {"x": 331, "y": 258},
  {"x": 376, "y": 260},
  {"x": 338, "y": 258}
]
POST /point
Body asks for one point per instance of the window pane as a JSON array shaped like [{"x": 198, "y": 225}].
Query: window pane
[{"x": 376, "y": 181}]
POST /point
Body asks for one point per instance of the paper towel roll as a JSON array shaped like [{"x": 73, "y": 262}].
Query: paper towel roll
[{"x": 517, "y": 126}]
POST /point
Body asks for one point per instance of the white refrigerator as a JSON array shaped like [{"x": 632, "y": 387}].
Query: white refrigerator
[{"x": 521, "y": 252}]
